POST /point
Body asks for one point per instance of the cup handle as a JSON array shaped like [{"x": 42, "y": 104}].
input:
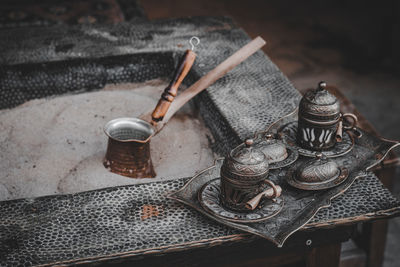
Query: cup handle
[
  {"x": 276, "y": 192},
  {"x": 354, "y": 120},
  {"x": 341, "y": 126},
  {"x": 274, "y": 187}
]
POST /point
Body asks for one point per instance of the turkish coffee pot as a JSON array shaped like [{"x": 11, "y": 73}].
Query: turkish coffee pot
[
  {"x": 320, "y": 123},
  {"x": 128, "y": 150},
  {"x": 244, "y": 176}
]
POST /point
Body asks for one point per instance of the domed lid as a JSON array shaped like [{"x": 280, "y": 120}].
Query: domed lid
[
  {"x": 319, "y": 102},
  {"x": 274, "y": 150},
  {"x": 318, "y": 170},
  {"x": 246, "y": 161}
]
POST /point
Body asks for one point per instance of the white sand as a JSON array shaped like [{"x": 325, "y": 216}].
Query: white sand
[{"x": 56, "y": 146}]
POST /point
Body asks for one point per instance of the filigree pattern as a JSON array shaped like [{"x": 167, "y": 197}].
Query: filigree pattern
[
  {"x": 318, "y": 171},
  {"x": 246, "y": 169},
  {"x": 317, "y": 109},
  {"x": 248, "y": 156}
]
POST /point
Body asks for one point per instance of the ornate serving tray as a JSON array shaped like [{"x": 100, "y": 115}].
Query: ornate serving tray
[{"x": 300, "y": 206}]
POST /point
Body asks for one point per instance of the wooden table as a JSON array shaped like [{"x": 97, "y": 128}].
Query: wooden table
[{"x": 372, "y": 237}]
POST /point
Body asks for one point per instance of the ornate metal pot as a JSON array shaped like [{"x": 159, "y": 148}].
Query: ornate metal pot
[
  {"x": 128, "y": 149},
  {"x": 244, "y": 173},
  {"x": 320, "y": 120}
]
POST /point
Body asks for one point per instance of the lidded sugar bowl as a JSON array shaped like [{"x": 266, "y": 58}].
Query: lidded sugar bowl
[
  {"x": 244, "y": 173},
  {"x": 318, "y": 173},
  {"x": 278, "y": 153},
  {"x": 275, "y": 150},
  {"x": 320, "y": 123}
]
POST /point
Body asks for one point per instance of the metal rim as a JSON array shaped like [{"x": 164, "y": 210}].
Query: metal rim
[{"x": 134, "y": 124}]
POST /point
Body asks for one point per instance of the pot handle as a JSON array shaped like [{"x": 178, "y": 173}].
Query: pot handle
[
  {"x": 169, "y": 94},
  {"x": 274, "y": 192},
  {"x": 353, "y": 118},
  {"x": 341, "y": 127}
]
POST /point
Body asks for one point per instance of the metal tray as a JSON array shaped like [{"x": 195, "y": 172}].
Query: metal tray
[{"x": 300, "y": 206}]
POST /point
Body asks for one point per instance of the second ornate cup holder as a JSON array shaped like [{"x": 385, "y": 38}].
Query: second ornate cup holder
[
  {"x": 288, "y": 134},
  {"x": 209, "y": 198}
]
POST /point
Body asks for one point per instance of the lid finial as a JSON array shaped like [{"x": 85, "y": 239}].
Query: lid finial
[
  {"x": 321, "y": 86},
  {"x": 249, "y": 142}
]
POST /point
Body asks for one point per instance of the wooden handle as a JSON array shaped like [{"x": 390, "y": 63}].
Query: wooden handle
[
  {"x": 171, "y": 91},
  {"x": 205, "y": 81}
]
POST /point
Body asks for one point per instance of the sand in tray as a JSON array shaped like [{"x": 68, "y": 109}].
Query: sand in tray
[{"x": 56, "y": 146}]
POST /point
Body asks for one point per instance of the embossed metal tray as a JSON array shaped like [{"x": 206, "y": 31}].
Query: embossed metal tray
[{"x": 300, "y": 206}]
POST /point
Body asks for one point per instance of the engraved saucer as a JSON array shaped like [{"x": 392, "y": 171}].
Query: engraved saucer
[
  {"x": 319, "y": 173},
  {"x": 209, "y": 199}
]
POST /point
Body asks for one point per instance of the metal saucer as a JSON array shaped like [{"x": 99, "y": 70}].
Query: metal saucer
[
  {"x": 340, "y": 178},
  {"x": 288, "y": 134},
  {"x": 209, "y": 199}
]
